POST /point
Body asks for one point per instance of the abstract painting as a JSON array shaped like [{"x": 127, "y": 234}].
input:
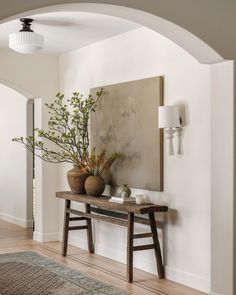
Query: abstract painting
[{"x": 126, "y": 121}]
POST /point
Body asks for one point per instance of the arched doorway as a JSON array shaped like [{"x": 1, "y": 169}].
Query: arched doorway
[
  {"x": 185, "y": 39},
  {"x": 204, "y": 54}
]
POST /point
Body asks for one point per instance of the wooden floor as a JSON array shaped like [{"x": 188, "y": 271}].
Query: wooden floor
[{"x": 15, "y": 239}]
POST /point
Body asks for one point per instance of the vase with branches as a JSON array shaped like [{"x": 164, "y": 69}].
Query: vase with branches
[{"x": 67, "y": 137}]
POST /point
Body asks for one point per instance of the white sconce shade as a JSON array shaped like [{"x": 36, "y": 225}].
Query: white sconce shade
[
  {"x": 168, "y": 117},
  {"x": 26, "y": 42}
]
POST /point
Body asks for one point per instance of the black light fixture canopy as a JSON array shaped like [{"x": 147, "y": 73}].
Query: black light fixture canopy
[{"x": 26, "y": 23}]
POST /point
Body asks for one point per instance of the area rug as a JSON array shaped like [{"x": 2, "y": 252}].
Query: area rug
[{"x": 28, "y": 273}]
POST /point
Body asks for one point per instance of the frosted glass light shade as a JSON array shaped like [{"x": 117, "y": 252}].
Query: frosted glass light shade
[
  {"x": 26, "y": 42},
  {"x": 168, "y": 117}
]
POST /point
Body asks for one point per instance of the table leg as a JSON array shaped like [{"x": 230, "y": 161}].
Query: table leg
[
  {"x": 160, "y": 267},
  {"x": 89, "y": 230},
  {"x": 66, "y": 228},
  {"x": 130, "y": 242}
]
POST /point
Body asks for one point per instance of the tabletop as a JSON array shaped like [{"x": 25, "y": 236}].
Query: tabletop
[{"x": 103, "y": 201}]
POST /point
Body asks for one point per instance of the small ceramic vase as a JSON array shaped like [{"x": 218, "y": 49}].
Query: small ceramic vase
[
  {"x": 124, "y": 195},
  {"x": 124, "y": 188},
  {"x": 94, "y": 185}
]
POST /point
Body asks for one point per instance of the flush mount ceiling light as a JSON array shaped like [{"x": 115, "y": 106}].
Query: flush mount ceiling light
[{"x": 26, "y": 41}]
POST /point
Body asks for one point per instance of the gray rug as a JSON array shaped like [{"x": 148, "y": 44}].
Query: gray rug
[{"x": 28, "y": 273}]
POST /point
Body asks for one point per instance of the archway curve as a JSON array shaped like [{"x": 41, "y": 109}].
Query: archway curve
[
  {"x": 27, "y": 95},
  {"x": 189, "y": 42},
  {"x": 200, "y": 50}
]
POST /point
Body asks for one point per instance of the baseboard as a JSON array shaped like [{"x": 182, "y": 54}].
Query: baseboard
[
  {"x": 45, "y": 237},
  {"x": 176, "y": 275},
  {"x": 15, "y": 220},
  {"x": 119, "y": 256},
  {"x": 188, "y": 279},
  {"x": 78, "y": 242},
  {"x": 106, "y": 252},
  {"x": 75, "y": 241}
]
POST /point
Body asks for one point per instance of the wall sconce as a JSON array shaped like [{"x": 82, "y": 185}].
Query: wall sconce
[{"x": 170, "y": 121}]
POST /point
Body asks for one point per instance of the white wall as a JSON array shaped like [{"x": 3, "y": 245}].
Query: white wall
[
  {"x": 13, "y": 168},
  {"x": 46, "y": 220},
  {"x": 222, "y": 205},
  {"x": 36, "y": 76},
  {"x": 136, "y": 55}
]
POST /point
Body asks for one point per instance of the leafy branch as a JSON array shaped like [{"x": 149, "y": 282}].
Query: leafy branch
[{"x": 68, "y": 130}]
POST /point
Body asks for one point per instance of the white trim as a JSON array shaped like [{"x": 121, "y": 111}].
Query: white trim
[
  {"x": 172, "y": 274},
  {"x": 119, "y": 256},
  {"x": 45, "y": 237},
  {"x": 77, "y": 242},
  {"x": 187, "y": 279},
  {"x": 15, "y": 220}
]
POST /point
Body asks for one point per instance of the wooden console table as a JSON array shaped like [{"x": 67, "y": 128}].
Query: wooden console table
[{"x": 126, "y": 217}]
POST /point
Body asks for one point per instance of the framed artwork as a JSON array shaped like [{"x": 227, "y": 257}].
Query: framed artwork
[{"x": 126, "y": 121}]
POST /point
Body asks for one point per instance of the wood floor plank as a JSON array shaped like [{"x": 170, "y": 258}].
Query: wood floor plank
[{"x": 14, "y": 238}]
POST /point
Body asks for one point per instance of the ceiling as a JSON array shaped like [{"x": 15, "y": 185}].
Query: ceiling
[{"x": 66, "y": 31}]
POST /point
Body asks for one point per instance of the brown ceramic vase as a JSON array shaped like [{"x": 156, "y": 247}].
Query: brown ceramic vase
[
  {"x": 94, "y": 185},
  {"x": 76, "y": 179}
]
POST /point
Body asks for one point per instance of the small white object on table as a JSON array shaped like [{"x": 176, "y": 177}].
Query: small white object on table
[{"x": 141, "y": 199}]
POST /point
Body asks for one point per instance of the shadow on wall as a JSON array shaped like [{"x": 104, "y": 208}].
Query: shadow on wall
[{"x": 171, "y": 217}]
